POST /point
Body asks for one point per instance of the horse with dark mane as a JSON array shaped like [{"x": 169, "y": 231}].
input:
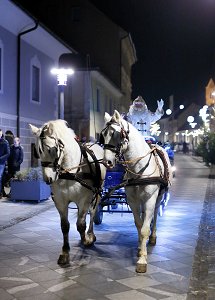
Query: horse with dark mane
[{"x": 75, "y": 173}]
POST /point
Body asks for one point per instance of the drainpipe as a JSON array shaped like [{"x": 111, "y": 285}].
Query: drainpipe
[{"x": 18, "y": 73}]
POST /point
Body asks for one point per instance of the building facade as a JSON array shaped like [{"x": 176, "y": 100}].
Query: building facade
[{"x": 28, "y": 92}]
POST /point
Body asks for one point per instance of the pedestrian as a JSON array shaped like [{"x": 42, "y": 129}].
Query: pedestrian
[
  {"x": 15, "y": 159},
  {"x": 141, "y": 117},
  {"x": 185, "y": 148},
  {"x": 4, "y": 154},
  {"x": 9, "y": 136}
]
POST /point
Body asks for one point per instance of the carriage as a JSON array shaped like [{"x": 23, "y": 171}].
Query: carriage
[{"x": 114, "y": 198}]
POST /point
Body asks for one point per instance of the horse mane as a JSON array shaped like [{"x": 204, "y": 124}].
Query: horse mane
[{"x": 61, "y": 129}]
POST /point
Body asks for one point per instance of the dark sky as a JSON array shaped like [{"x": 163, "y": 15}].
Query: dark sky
[{"x": 175, "y": 45}]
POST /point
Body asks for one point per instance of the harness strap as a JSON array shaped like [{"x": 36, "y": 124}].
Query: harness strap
[
  {"x": 94, "y": 175},
  {"x": 166, "y": 174},
  {"x": 79, "y": 177},
  {"x": 137, "y": 181},
  {"x": 97, "y": 173}
]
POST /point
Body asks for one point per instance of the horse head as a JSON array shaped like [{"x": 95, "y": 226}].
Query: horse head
[
  {"x": 49, "y": 148},
  {"x": 114, "y": 137}
]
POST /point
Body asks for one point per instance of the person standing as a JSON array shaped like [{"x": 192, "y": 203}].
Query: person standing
[
  {"x": 4, "y": 154},
  {"x": 15, "y": 159}
]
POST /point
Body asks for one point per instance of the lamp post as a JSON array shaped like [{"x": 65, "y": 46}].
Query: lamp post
[{"x": 62, "y": 81}]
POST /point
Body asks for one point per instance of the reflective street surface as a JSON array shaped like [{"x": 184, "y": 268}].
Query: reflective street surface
[{"x": 180, "y": 266}]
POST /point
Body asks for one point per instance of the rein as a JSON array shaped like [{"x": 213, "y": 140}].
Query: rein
[{"x": 138, "y": 158}]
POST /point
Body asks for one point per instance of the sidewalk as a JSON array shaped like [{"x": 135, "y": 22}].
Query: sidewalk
[
  {"x": 202, "y": 281},
  {"x": 15, "y": 212}
]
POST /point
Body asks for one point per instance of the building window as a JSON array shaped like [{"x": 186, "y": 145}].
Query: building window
[
  {"x": 1, "y": 67},
  {"x": 35, "y": 84},
  {"x": 97, "y": 100},
  {"x": 35, "y": 81},
  {"x": 76, "y": 13}
]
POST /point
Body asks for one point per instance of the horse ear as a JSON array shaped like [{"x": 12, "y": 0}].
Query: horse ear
[
  {"x": 117, "y": 115},
  {"x": 107, "y": 117},
  {"x": 34, "y": 129},
  {"x": 50, "y": 128}
]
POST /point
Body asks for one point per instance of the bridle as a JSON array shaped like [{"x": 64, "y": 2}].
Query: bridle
[
  {"x": 55, "y": 151},
  {"x": 118, "y": 138}
]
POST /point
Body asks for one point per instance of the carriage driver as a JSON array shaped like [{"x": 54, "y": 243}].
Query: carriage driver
[{"x": 141, "y": 117}]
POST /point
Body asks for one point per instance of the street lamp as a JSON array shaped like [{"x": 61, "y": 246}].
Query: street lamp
[{"x": 62, "y": 81}]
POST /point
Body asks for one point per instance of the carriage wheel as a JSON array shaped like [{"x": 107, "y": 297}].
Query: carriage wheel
[{"x": 98, "y": 215}]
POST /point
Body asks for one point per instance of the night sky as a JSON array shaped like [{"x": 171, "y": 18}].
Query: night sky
[{"x": 175, "y": 45}]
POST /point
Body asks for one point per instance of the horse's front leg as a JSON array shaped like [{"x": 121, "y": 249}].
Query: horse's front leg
[
  {"x": 90, "y": 232},
  {"x": 153, "y": 227},
  {"x": 135, "y": 207},
  {"x": 87, "y": 238},
  {"x": 141, "y": 266},
  {"x": 153, "y": 235},
  {"x": 64, "y": 258}
]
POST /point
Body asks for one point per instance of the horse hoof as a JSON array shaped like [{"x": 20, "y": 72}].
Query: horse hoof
[
  {"x": 89, "y": 241},
  {"x": 141, "y": 268},
  {"x": 152, "y": 240},
  {"x": 63, "y": 260}
]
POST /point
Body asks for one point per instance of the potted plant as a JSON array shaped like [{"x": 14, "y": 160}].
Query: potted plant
[{"x": 28, "y": 184}]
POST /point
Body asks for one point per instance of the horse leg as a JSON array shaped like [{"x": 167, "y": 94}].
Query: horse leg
[
  {"x": 153, "y": 236},
  {"x": 138, "y": 221},
  {"x": 88, "y": 238},
  {"x": 153, "y": 226},
  {"x": 64, "y": 259},
  {"x": 90, "y": 233},
  {"x": 141, "y": 266}
]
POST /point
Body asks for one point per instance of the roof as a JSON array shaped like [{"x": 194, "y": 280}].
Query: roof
[{"x": 17, "y": 20}]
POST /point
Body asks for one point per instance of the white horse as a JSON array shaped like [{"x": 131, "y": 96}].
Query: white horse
[
  {"x": 75, "y": 175},
  {"x": 146, "y": 176}
]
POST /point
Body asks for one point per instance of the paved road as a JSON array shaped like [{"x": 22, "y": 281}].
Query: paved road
[{"x": 29, "y": 250}]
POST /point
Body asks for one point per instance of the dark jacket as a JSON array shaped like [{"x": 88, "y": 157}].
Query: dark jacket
[
  {"x": 4, "y": 151},
  {"x": 15, "y": 159}
]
